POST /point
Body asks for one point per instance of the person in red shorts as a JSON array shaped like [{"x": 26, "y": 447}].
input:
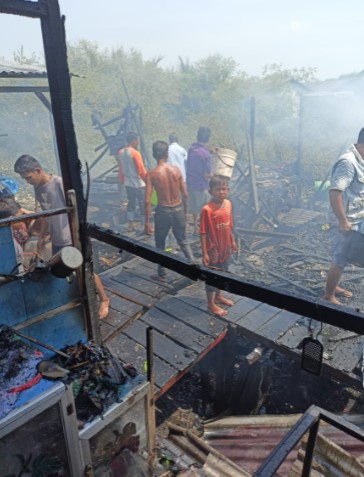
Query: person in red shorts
[{"x": 217, "y": 240}]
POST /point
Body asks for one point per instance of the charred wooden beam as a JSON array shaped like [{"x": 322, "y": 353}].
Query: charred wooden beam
[
  {"x": 55, "y": 50},
  {"x": 291, "y": 282},
  {"x": 320, "y": 310},
  {"x": 24, "y": 89},
  {"x": 261, "y": 233},
  {"x": 35, "y": 215},
  {"x": 24, "y": 8}
]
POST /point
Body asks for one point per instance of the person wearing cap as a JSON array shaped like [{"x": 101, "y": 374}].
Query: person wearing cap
[{"x": 346, "y": 194}]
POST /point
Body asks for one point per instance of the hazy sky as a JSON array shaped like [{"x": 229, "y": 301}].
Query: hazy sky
[{"x": 325, "y": 34}]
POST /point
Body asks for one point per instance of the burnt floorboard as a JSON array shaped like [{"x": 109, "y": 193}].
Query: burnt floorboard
[{"x": 184, "y": 331}]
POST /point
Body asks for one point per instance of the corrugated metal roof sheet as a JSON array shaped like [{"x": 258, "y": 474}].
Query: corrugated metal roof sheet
[
  {"x": 247, "y": 441},
  {"x": 9, "y": 70}
]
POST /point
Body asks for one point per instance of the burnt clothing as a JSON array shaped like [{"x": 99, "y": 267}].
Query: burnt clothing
[
  {"x": 198, "y": 167},
  {"x": 348, "y": 177},
  {"x": 51, "y": 196},
  {"x": 165, "y": 218}
]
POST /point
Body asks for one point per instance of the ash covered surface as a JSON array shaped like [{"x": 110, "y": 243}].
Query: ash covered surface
[
  {"x": 299, "y": 265},
  {"x": 274, "y": 385}
]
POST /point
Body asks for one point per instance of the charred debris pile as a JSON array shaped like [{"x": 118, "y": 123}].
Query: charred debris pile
[{"x": 97, "y": 378}]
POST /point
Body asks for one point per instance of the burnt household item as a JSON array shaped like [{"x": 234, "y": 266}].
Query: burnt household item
[
  {"x": 353, "y": 249},
  {"x": 312, "y": 353},
  {"x": 64, "y": 262},
  {"x": 51, "y": 370}
]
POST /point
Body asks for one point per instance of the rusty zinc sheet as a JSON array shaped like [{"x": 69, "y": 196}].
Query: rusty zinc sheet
[{"x": 248, "y": 440}]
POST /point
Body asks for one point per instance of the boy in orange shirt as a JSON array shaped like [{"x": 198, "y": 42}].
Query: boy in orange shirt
[{"x": 217, "y": 241}]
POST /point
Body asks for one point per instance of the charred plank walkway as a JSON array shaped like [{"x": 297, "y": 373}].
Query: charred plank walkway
[{"x": 184, "y": 331}]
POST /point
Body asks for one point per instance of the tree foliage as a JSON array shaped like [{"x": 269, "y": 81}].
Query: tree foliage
[{"x": 213, "y": 92}]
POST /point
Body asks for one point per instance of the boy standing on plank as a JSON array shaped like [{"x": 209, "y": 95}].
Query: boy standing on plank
[{"x": 217, "y": 241}]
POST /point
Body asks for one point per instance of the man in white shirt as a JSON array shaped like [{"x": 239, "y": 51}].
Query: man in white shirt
[{"x": 177, "y": 155}]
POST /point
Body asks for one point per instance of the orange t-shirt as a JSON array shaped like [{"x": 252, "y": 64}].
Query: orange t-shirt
[{"x": 216, "y": 222}]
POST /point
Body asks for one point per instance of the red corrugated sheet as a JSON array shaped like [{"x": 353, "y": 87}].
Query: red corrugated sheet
[{"x": 249, "y": 444}]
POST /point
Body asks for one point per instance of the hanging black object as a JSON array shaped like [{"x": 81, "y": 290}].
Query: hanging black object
[{"x": 312, "y": 353}]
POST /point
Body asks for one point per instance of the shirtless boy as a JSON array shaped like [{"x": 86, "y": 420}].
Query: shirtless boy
[{"x": 171, "y": 210}]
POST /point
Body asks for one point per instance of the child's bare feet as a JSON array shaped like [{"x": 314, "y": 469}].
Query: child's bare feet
[
  {"x": 224, "y": 301},
  {"x": 216, "y": 310},
  {"x": 104, "y": 308},
  {"x": 331, "y": 299},
  {"x": 342, "y": 292}
]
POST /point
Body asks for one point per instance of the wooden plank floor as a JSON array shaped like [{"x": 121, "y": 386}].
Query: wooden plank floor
[{"x": 184, "y": 331}]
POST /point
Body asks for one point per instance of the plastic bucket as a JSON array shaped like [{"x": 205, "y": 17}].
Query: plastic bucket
[{"x": 223, "y": 162}]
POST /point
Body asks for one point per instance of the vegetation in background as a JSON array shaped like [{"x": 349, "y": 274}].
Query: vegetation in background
[{"x": 213, "y": 91}]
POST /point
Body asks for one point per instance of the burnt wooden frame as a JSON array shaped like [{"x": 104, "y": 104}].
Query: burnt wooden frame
[{"x": 55, "y": 50}]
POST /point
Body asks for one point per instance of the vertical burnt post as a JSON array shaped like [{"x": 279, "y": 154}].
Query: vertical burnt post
[
  {"x": 299, "y": 148},
  {"x": 226, "y": 351},
  {"x": 230, "y": 354},
  {"x": 252, "y": 122},
  {"x": 55, "y": 51},
  {"x": 150, "y": 407}
]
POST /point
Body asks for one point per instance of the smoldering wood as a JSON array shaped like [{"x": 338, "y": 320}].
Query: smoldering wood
[{"x": 25, "y": 9}]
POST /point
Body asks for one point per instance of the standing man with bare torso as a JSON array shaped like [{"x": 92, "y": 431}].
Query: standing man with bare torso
[{"x": 171, "y": 210}]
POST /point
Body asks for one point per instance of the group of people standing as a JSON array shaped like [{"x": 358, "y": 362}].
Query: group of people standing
[{"x": 184, "y": 183}]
